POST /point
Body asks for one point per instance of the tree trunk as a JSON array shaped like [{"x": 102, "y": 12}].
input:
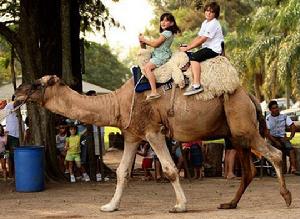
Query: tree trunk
[
  {"x": 66, "y": 42},
  {"x": 258, "y": 82},
  {"x": 40, "y": 34}
]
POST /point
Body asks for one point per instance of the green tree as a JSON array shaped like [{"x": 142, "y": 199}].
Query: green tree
[
  {"x": 269, "y": 38},
  {"x": 103, "y": 68}
]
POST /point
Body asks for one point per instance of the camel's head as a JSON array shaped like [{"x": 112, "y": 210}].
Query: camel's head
[{"x": 36, "y": 91}]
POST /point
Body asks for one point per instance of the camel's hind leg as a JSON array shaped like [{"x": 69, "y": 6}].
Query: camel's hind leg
[
  {"x": 274, "y": 156},
  {"x": 123, "y": 173},
  {"x": 247, "y": 176},
  {"x": 158, "y": 143}
]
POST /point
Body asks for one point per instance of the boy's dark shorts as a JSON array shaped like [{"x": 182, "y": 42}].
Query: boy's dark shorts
[{"x": 203, "y": 54}]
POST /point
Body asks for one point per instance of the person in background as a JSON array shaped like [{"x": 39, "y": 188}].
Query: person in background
[
  {"x": 276, "y": 134},
  {"x": 12, "y": 128},
  {"x": 60, "y": 139},
  {"x": 98, "y": 141},
  {"x": 196, "y": 157},
  {"x": 27, "y": 133},
  {"x": 146, "y": 151},
  {"x": 229, "y": 160},
  {"x": 3, "y": 153},
  {"x": 72, "y": 147}
]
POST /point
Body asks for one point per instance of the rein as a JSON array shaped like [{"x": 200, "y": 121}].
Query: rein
[{"x": 132, "y": 102}]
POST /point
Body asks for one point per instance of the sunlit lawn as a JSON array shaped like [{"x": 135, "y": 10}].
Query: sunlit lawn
[
  {"x": 107, "y": 130},
  {"x": 295, "y": 141}
]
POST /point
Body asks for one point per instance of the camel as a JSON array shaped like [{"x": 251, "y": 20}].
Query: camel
[{"x": 233, "y": 115}]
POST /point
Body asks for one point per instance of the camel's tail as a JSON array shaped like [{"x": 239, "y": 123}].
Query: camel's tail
[{"x": 261, "y": 120}]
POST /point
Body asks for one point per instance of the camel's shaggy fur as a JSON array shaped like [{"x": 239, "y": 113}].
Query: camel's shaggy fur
[
  {"x": 172, "y": 69},
  {"x": 218, "y": 76}
]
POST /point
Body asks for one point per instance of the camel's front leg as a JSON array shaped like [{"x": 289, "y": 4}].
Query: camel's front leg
[
  {"x": 158, "y": 143},
  {"x": 123, "y": 173}
]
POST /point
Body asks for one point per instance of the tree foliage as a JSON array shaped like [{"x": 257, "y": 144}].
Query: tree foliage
[
  {"x": 268, "y": 39},
  {"x": 261, "y": 39},
  {"x": 103, "y": 68}
]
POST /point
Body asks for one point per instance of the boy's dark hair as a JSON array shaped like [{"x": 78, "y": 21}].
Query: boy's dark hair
[
  {"x": 215, "y": 7},
  {"x": 174, "y": 29},
  {"x": 272, "y": 103}
]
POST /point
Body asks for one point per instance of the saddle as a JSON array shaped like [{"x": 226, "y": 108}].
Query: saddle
[{"x": 142, "y": 84}]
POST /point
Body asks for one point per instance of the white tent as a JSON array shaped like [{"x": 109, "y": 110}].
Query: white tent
[{"x": 6, "y": 90}]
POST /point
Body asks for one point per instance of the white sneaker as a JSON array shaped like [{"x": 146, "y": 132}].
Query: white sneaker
[
  {"x": 86, "y": 177},
  {"x": 72, "y": 179},
  {"x": 98, "y": 177},
  {"x": 106, "y": 179},
  {"x": 67, "y": 171},
  {"x": 78, "y": 178},
  {"x": 193, "y": 90}
]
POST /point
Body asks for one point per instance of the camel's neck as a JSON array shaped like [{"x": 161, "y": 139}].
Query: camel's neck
[{"x": 99, "y": 110}]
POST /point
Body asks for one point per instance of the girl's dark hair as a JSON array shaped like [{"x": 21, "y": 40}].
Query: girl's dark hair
[
  {"x": 174, "y": 29},
  {"x": 73, "y": 126},
  {"x": 214, "y": 7}
]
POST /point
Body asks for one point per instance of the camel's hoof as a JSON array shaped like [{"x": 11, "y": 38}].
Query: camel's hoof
[
  {"x": 178, "y": 209},
  {"x": 108, "y": 208},
  {"x": 227, "y": 206},
  {"x": 287, "y": 197}
]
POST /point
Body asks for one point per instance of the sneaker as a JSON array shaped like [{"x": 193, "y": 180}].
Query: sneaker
[
  {"x": 193, "y": 90},
  {"x": 78, "y": 178},
  {"x": 67, "y": 171},
  {"x": 98, "y": 177},
  {"x": 86, "y": 177},
  {"x": 106, "y": 179},
  {"x": 72, "y": 179}
]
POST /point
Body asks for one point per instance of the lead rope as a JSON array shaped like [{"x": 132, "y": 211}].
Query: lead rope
[
  {"x": 18, "y": 107},
  {"x": 132, "y": 102},
  {"x": 12, "y": 111}
]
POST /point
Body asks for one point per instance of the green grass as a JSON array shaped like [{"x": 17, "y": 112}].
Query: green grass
[
  {"x": 296, "y": 140},
  {"x": 108, "y": 129}
]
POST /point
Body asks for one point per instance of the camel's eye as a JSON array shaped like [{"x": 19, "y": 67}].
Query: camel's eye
[{"x": 36, "y": 86}]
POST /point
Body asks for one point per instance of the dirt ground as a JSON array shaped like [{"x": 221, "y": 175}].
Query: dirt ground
[{"x": 150, "y": 199}]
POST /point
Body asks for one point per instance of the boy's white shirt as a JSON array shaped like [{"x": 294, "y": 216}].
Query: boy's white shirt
[
  {"x": 213, "y": 30},
  {"x": 12, "y": 123}
]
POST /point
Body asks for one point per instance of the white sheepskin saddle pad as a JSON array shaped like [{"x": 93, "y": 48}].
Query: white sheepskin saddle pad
[{"x": 218, "y": 76}]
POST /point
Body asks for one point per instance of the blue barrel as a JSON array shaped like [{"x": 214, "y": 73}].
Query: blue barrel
[{"x": 29, "y": 168}]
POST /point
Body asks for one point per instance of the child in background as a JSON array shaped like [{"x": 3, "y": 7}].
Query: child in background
[
  {"x": 60, "y": 147},
  {"x": 72, "y": 147},
  {"x": 3, "y": 153},
  {"x": 196, "y": 157},
  {"x": 148, "y": 154},
  {"x": 162, "y": 51}
]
